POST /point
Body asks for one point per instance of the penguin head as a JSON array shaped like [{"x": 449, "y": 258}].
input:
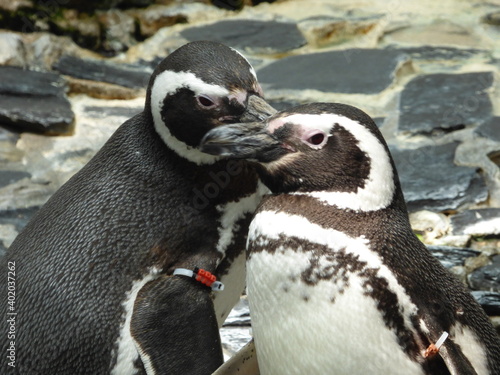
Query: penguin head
[
  {"x": 331, "y": 151},
  {"x": 200, "y": 86}
]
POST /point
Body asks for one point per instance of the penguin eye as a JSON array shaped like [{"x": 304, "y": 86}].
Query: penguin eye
[
  {"x": 205, "y": 101},
  {"x": 316, "y": 139}
]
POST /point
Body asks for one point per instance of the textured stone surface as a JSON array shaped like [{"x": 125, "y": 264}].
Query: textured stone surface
[
  {"x": 445, "y": 102},
  {"x": 477, "y": 222},
  {"x": 490, "y": 129},
  {"x": 34, "y": 101},
  {"x": 431, "y": 180},
  {"x": 47, "y": 114},
  {"x": 487, "y": 277},
  {"x": 95, "y": 70},
  {"x": 337, "y": 71},
  {"x": 450, "y": 256},
  {"x": 250, "y": 35},
  {"x": 490, "y": 301},
  {"x": 17, "y": 81}
]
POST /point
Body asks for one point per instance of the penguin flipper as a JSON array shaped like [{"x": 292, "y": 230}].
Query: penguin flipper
[
  {"x": 455, "y": 360},
  {"x": 244, "y": 362},
  {"x": 452, "y": 355},
  {"x": 175, "y": 328}
]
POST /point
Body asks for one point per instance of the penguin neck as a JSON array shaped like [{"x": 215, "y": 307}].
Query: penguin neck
[{"x": 189, "y": 153}]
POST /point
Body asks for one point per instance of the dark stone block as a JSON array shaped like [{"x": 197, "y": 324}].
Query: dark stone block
[
  {"x": 431, "y": 180},
  {"x": 490, "y": 129},
  {"x": 126, "y": 75},
  {"x": 490, "y": 301},
  {"x": 34, "y": 101},
  {"x": 445, "y": 102},
  {"x": 250, "y": 35},
  {"x": 450, "y": 256},
  {"x": 487, "y": 277},
  {"x": 478, "y": 222},
  {"x": 336, "y": 71},
  {"x": 16, "y": 81},
  {"x": 10, "y": 177},
  {"x": 50, "y": 114}
]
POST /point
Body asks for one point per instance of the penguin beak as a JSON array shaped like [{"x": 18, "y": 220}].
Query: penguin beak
[
  {"x": 257, "y": 109},
  {"x": 249, "y": 141}
]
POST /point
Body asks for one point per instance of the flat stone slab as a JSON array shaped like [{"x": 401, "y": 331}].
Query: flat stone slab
[
  {"x": 336, "y": 71},
  {"x": 480, "y": 222},
  {"x": 34, "y": 101},
  {"x": 431, "y": 180},
  {"x": 490, "y": 129},
  {"x": 250, "y": 35},
  {"x": 126, "y": 75},
  {"x": 487, "y": 277},
  {"x": 445, "y": 102},
  {"x": 46, "y": 114},
  {"x": 451, "y": 256}
]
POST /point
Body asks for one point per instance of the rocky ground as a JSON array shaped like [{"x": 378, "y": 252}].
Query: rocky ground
[{"x": 427, "y": 71}]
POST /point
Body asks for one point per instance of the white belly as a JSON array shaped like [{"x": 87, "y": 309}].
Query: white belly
[{"x": 328, "y": 328}]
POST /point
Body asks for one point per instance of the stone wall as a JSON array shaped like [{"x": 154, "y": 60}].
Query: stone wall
[{"x": 427, "y": 71}]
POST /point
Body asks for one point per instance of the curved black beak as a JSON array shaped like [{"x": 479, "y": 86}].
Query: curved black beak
[
  {"x": 249, "y": 141},
  {"x": 257, "y": 109}
]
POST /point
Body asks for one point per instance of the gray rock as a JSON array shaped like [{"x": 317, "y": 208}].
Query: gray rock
[
  {"x": 46, "y": 114},
  {"x": 490, "y": 301},
  {"x": 445, "y": 102},
  {"x": 435, "y": 53},
  {"x": 16, "y": 81},
  {"x": 34, "y": 101},
  {"x": 490, "y": 129},
  {"x": 480, "y": 222},
  {"x": 487, "y": 277},
  {"x": 430, "y": 179},
  {"x": 450, "y": 256},
  {"x": 250, "y": 35},
  {"x": 9, "y": 177},
  {"x": 336, "y": 71},
  {"x": 126, "y": 75}
]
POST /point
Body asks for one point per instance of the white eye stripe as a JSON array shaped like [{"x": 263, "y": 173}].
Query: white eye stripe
[{"x": 168, "y": 82}]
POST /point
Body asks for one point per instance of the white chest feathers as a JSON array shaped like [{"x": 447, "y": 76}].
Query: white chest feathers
[{"x": 311, "y": 303}]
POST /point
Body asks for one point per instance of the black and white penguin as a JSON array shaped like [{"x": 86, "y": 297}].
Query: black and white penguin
[
  {"x": 94, "y": 286},
  {"x": 336, "y": 280}
]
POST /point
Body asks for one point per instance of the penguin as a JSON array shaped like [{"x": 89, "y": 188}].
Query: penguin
[
  {"x": 115, "y": 273},
  {"x": 337, "y": 282}
]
